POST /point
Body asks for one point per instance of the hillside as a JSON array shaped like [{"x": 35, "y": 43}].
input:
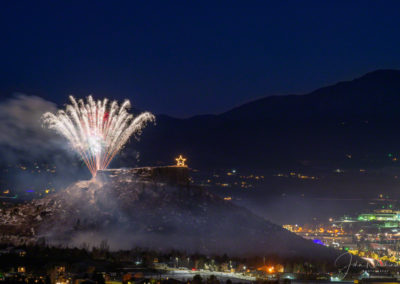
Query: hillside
[{"x": 134, "y": 208}]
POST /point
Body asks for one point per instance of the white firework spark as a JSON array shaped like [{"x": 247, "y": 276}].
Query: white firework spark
[{"x": 97, "y": 130}]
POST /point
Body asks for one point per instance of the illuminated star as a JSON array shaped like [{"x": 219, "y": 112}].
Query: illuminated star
[{"x": 180, "y": 161}]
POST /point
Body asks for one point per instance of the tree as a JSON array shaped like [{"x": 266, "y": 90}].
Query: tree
[
  {"x": 197, "y": 279},
  {"x": 212, "y": 280},
  {"x": 104, "y": 246},
  {"x": 98, "y": 277},
  {"x": 289, "y": 267}
]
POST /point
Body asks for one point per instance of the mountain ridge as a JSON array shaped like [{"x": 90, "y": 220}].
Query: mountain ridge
[
  {"x": 375, "y": 74},
  {"x": 356, "y": 116},
  {"x": 371, "y": 78}
]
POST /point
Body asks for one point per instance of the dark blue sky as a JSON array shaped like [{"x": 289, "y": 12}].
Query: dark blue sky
[{"x": 191, "y": 57}]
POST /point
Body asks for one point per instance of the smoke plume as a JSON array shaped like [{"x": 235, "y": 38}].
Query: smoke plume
[
  {"x": 20, "y": 126},
  {"x": 23, "y": 141}
]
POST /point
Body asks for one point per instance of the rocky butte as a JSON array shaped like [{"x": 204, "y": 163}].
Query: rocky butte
[{"x": 151, "y": 207}]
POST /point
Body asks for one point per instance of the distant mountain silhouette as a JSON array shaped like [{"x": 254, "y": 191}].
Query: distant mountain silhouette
[
  {"x": 374, "y": 93},
  {"x": 360, "y": 117}
]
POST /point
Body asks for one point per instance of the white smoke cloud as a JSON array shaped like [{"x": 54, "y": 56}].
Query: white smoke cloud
[
  {"x": 23, "y": 140},
  {"x": 20, "y": 125}
]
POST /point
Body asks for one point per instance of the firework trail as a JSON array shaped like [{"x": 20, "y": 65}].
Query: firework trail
[{"x": 97, "y": 130}]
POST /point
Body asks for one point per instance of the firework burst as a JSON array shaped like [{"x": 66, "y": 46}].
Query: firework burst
[{"x": 97, "y": 130}]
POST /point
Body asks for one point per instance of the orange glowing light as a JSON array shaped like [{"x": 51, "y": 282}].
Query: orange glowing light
[{"x": 267, "y": 269}]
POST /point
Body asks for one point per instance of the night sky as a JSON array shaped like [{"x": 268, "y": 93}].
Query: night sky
[{"x": 191, "y": 57}]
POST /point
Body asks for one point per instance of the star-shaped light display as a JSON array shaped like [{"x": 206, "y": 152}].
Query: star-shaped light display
[{"x": 180, "y": 161}]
